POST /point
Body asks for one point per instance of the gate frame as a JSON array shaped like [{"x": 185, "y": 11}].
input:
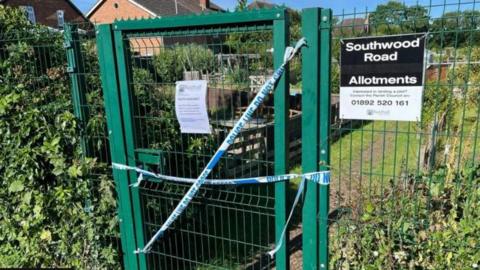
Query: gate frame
[
  {"x": 115, "y": 71},
  {"x": 316, "y": 81}
]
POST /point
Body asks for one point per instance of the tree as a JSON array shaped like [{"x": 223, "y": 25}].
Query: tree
[
  {"x": 456, "y": 29},
  {"x": 241, "y": 5},
  {"x": 416, "y": 19},
  {"x": 395, "y": 17}
]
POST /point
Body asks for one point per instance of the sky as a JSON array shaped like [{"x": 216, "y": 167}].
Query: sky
[{"x": 338, "y": 6}]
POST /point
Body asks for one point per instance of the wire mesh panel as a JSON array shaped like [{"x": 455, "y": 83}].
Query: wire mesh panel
[
  {"x": 224, "y": 227},
  {"x": 62, "y": 195},
  {"x": 84, "y": 71},
  {"x": 394, "y": 182},
  {"x": 88, "y": 106}
]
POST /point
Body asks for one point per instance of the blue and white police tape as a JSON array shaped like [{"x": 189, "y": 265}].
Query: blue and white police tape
[
  {"x": 278, "y": 245},
  {"x": 290, "y": 52},
  {"x": 322, "y": 178}
]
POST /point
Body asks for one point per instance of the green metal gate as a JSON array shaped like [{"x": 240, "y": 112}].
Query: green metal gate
[{"x": 226, "y": 228}]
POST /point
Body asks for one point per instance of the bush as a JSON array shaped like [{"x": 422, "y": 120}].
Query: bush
[
  {"x": 168, "y": 65},
  {"x": 434, "y": 225},
  {"x": 437, "y": 100},
  {"x": 238, "y": 76},
  {"x": 45, "y": 212},
  {"x": 467, "y": 77},
  {"x": 197, "y": 58},
  {"x": 171, "y": 62}
]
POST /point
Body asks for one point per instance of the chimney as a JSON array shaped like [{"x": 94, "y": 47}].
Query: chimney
[{"x": 204, "y": 4}]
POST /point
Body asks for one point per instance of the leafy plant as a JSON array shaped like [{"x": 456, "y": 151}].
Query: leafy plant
[
  {"x": 432, "y": 225},
  {"x": 467, "y": 77},
  {"x": 171, "y": 62},
  {"x": 238, "y": 76},
  {"x": 48, "y": 215}
]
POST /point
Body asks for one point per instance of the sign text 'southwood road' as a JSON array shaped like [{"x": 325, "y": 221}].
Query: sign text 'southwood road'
[{"x": 382, "y": 77}]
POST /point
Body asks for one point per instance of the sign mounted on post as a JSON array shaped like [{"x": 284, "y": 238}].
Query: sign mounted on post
[
  {"x": 382, "y": 77},
  {"x": 191, "y": 106}
]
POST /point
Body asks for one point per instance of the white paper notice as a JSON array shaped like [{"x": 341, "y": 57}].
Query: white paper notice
[
  {"x": 396, "y": 103},
  {"x": 191, "y": 107}
]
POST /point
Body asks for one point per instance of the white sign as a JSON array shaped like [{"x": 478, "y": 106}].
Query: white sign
[
  {"x": 191, "y": 107},
  {"x": 382, "y": 78}
]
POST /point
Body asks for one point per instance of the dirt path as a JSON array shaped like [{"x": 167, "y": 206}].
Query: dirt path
[{"x": 346, "y": 186}]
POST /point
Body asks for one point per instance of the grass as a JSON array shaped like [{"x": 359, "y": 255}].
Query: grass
[
  {"x": 367, "y": 151},
  {"x": 376, "y": 150},
  {"x": 468, "y": 129},
  {"x": 382, "y": 151}
]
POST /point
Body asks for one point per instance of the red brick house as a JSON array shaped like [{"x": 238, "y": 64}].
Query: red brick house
[
  {"x": 53, "y": 13},
  {"x": 106, "y": 11}
]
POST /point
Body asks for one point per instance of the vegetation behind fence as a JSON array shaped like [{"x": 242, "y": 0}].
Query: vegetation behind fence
[
  {"x": 402, "y": 193},
  {"x": 57, "y": 206}
]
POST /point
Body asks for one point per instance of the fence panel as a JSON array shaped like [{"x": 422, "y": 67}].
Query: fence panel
[
  {"x": 226, "y": 227},
  {"x": 392, "y": 182},
  {"x": 82, "y": 66},
  {"x": 73, "y": 209}
]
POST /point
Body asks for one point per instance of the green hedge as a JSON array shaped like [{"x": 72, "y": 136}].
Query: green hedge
[{"x": 48, "y": 215}]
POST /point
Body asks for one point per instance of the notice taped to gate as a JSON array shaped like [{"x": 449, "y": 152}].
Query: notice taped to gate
[
  {"x": 381, "y": 78},
  {"x": 191, "y": 107}
]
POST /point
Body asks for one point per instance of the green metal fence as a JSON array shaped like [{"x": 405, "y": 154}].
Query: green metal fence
[
  {"x": 388, "y": 177},
  {"x": 391, "y": 179},
  {"x": 82, "y": 67},
  {"x": 46, "y": 59},
  {"x": 393, "y": 182}
]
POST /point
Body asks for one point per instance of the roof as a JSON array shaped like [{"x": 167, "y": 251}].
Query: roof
[
  {"x": 68, "y": 1},
  {"x": 261, "y": 4},
  {"x": 352, "y": 22},
  {"x": 167, "y": 7},
  {"x": 78, "y": 10},
  {"x": 353, "y": 25}
]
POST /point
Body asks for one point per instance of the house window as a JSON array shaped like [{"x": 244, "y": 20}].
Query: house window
[
  {"x": 60, "y": 18},
  {"x": 30, "y": 13}
]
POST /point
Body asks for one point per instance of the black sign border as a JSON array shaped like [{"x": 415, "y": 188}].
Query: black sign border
[{"x": 421, "y": 34}]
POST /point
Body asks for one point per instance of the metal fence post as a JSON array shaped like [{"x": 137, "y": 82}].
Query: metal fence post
[
  {"x": 324, "y": 132},
  {"x": 76, "y": 71},
  {"x": 310, "y": 130},
  {"x": 108, "y": 71},
  {"x": 125, "y": 77},
  {"x": 281, "y": 101}
]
